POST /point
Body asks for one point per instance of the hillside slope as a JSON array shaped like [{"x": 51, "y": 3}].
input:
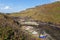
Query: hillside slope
[
  {"x": 10, "y": 30},
  {"x": 46, "y": 13}
]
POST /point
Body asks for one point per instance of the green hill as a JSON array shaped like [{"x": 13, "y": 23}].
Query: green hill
[{"x": 46, "y": 13}]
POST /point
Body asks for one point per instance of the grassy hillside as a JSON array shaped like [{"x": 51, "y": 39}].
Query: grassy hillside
[
  {"x": 46, "y": 13},
  {"x": 10, "y": 30}
]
